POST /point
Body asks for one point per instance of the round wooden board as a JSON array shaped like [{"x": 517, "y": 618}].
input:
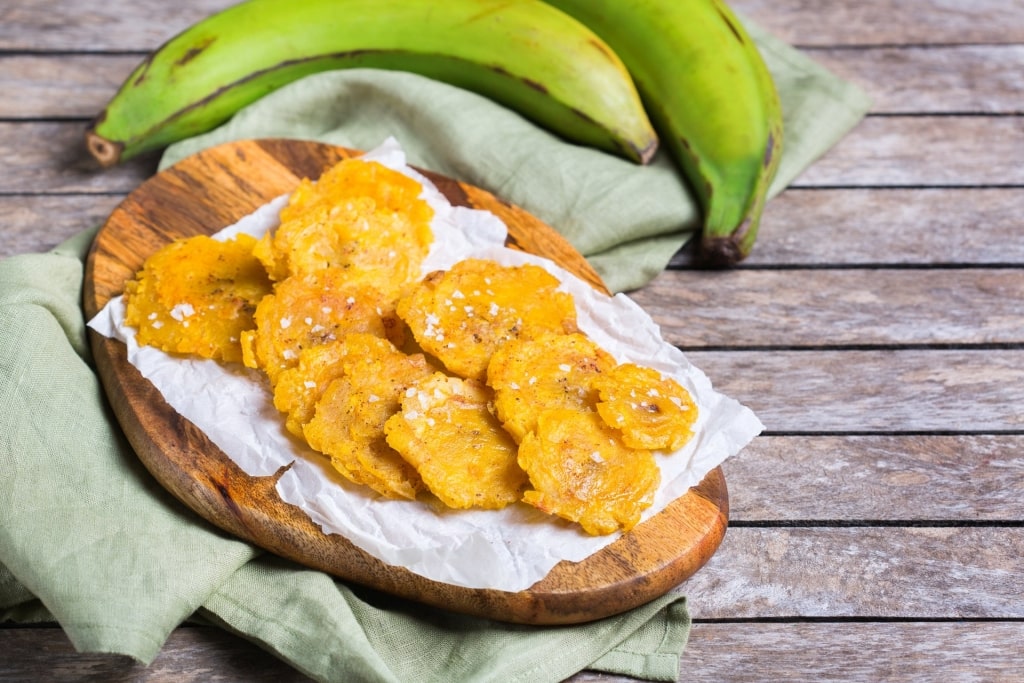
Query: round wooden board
[{"x": 214, "y": 189}]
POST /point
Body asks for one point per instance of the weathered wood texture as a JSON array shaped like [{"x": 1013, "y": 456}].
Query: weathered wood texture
[
  {"x": 888, "y": 22},
  {"x": 877, "y": 571},
  {"x": 34, "y": 223},
  {"x": 900, "y": 151},
  {"x": 192, "y": 654},
  {"x": 50, "y": 157},
  {"x": 896, "y": 151},
  {"x": 794, "y": 651},
  {"x": 886, "y": 390},
  {"x": 877, "y": 330},
  {"x": 874, "y": 651},
  {"x": 964, "y": 79},
  {"x": 938, "y": 79},
  {"x": 97, "y": 26},
  {"x": 866, "y": 226},
  {"x": 61, "y": 86},
  {"x": 867, "y": 306},
  {"x": 878, "y": 479}
]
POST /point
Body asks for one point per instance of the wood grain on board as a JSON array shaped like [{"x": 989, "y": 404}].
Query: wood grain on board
[{"x": 214, "y": 189}]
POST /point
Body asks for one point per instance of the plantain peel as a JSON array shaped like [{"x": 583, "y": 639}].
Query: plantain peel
[
  {"x": 525, "y": 55},
  {"x": 712, "y": 101}
]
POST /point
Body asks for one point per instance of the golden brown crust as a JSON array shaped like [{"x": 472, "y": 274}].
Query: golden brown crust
[
  {"x": 530, "y": 376},
  {"x": 197, "y": 296},
  {"x": 581, "y": 471},
  {"x": 650, "y": 410},
  {"x": 361, "y": 217},
  {"x": 303, "y": 312},
  {"x": 462, "y": 315},
  {"x": 447, "y": 432},
  {"x": 349, "y": 416}
]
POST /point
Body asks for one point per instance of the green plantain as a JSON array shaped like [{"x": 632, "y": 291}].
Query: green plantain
[
  {"x": 522, "y": 53},
  {"x": 712, "y": 101}
]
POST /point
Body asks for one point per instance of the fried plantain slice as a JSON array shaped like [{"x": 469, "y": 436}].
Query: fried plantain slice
[
  {"x": 530, "y": 376},
  {"x": 197, "y": 295},
  {"x": 360, "y": 216},
  {"x": 447, "y": 432},
  {"x": 303, "y": 312},
  {"x": 462, "y": 315},
  {"x": 650, "y": 410},
  {"x": 581, "y": 471},
  {"x": 299, "y": 388},
  {"x": 392, "y": 190},
  {"x": 348, "y": 418}
]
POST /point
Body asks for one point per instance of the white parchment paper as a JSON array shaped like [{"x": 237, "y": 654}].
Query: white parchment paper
[{"x": 509, "y": 549}]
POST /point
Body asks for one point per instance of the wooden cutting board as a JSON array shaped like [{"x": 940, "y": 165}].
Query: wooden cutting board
[{"x": 214, "y": 189}]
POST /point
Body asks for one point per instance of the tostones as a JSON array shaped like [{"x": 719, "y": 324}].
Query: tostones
[
  {"x": 650, "y": 410},
  {"x": 462, "y": 315},
  {"x": 458, "y": 447},
  {"x": 360, "y": 217},
  {"x": 581, "y": 471},
  {"x": 530, "y": 376},
  {"x": 349, "y": 416},
  {"x": 299, "y": 388},
  {"x": 303, "y": 312},
  {"x": 197, "y": 295}
]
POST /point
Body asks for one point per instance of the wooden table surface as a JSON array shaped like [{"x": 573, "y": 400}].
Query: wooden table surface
[{"x": 877, "y": 330}]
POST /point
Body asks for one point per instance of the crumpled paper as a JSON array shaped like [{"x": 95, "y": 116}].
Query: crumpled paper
[{"x": 508, "y": 550}]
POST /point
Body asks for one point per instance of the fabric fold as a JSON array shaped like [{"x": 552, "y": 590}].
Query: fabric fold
[
  {"x": 114, "y": 558},
  {"x": 356, "y": 634},
  {"x": 89, "y": 539}
]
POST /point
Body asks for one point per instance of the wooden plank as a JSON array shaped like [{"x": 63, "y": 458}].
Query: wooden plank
[
  {"x": 801, "y": 227},
  {"x": 889, "y": 226},
  {"x": 755, "y": 652},
  {"x": 933, "y": 79},
  {"x": 887, "y": 22},
  {"x": 899, "y": 390},
  {"x": 62, "y": 164},
  {"x": 924, "y": 150},
  {"x": 34, "y": 25},
  {"x": 889, "y": 572},
  {"x": 53, "y": 86},
  {"x": 880, "y": 151},
  {"x": 35, "y": 223},
  {"x": 955, "y": 478},
  {"x": 836, "y": 307},
  {"x": 916, "y": 79},
  {"x": 95, "y": 25},
  {"x": 854, "y": 652},
  {"x": 192, "y": 653}
]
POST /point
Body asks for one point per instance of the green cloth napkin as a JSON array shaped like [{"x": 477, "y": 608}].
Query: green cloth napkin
[{"x": 87, "y": 538}]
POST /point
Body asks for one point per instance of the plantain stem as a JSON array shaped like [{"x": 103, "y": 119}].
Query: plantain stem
[
  {"x": 721, "y": 252},
  {"x": 107, "y": 152}
]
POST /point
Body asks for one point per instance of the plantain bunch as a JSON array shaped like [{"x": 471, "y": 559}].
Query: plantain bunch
[{"x": 618, "y": 75}]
